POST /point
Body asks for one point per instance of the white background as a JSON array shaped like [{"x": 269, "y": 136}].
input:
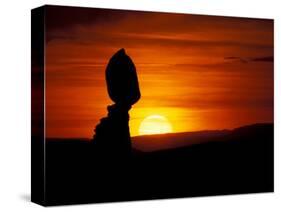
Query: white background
[{"x": 15, "y": 105}]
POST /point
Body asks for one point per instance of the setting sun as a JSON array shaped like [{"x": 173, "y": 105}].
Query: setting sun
[
  {"x": 195, "y": 77},
  {"x": 155, "y": 124}
]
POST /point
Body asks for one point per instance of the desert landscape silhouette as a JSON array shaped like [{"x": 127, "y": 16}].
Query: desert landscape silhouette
[
  {"x": 214, "y": 163},
  {"x": 115, "y": 167}
]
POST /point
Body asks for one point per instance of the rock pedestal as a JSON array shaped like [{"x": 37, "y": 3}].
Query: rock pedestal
[{"x": 112, "y": 134}]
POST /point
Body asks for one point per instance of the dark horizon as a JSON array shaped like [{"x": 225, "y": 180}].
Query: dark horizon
[
  {"x": 151, "y": 135},
  {"x": 166, "y": 141}
]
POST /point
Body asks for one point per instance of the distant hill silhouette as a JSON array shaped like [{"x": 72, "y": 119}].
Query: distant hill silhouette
[
  {"x": 149, "y": 143},
  {"x": 198, "y": 164}
]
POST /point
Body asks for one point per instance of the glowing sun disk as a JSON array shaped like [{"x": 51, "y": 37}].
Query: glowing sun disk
[{"x": 155, "y": 124}]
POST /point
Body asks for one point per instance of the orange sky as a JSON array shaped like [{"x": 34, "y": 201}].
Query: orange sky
[{"x": 200, "y": 72}]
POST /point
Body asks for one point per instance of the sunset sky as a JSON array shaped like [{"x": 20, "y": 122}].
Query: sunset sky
[{"x": 199, "y": 72}]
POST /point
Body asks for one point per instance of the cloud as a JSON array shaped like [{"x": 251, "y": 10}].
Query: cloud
[
  {"x": 91, "y": 25},
  {"x": 63, "y": 17},
  {"x": 263, "y": 59},
  {"x": 240, "y": 59},
  {"x": 269, "y": 59}
]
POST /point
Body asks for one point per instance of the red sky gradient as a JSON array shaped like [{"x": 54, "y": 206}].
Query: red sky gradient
[{"x": 200, "y": 72}]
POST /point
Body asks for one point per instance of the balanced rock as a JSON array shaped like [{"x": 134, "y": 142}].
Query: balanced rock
[
  {"x": 112, "y": 135},
  {"x": 121, "y": 79}
]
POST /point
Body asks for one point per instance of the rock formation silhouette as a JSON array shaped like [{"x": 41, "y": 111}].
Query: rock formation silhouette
[{"x": 112, "y": 134}]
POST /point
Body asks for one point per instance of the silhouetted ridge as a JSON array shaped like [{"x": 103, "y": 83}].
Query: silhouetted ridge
[
  {"x": 163, "y": 142},
  {"x": 227, "y": 162},
  {"x": 253, "y": 128}
]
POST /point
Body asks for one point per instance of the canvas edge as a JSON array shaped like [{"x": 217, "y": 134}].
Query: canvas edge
[{"x": 38, "y": 192}]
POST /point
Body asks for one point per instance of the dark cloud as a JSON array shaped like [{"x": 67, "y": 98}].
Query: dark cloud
[
  {"x": 132, "y": 40},
  {"x": 269, "y": 59},
  {"x": 66, "y": 16},
  {"x": 240, "y": 59},
  {"x": 62, "y": 17},
  {"x": 263, "y": 59},
  {"x": 50, "y": 37},
  {"x": 64, "y": 22},
  {"x": 224, "y": 102}
]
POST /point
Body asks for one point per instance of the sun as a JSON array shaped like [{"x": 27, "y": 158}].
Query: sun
[{"x": 155, "y": 124}]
